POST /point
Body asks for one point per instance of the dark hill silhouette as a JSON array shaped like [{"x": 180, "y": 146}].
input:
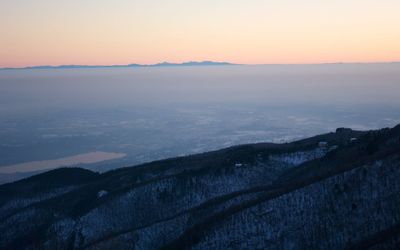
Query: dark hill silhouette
[{"x": 333, "y": 191}]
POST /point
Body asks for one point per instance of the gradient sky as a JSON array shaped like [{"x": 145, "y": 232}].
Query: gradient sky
[{"x": 48, "y": 32}]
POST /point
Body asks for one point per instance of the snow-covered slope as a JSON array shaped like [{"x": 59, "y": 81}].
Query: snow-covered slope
[{"x": 337, "y": 194}]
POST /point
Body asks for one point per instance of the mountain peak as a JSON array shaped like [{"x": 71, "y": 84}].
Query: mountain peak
[{"x": 162, "y": 64}]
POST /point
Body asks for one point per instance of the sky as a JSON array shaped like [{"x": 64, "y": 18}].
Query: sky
[{"x": 94, "y": 32}]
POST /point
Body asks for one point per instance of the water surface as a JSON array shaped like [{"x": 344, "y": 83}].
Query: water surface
[{"x": 88, "y": 158}]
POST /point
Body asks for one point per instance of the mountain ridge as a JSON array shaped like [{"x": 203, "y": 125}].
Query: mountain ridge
[
  {"x": 188, "y": 63},
  {"x": 132, "y": 65},
  {"x": 246, "y": 196}
]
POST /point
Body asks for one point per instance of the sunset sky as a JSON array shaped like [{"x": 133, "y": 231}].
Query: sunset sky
[{"x": 48, "y": 32}]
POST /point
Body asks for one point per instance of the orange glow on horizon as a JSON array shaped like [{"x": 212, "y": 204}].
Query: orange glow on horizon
[{"x": 92, "y": 32}]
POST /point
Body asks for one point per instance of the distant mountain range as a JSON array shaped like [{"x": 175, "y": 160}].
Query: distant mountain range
[
  {"x": 191, "y": 63},
  {"x": 163, "y": 64},
  {"x": 339, "y": 190}
]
